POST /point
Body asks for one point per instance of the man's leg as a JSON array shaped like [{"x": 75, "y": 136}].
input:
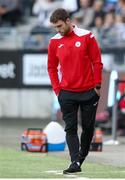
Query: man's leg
[
  {"x": 69, "y": 108},
  {"x": 88, "y": 113}
]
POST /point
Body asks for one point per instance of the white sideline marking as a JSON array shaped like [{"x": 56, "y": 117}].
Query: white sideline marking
[
  {"x": 80, "y": 178},
  {"x": 54, "y": 172},
  {"x": 60, "y": 172}
]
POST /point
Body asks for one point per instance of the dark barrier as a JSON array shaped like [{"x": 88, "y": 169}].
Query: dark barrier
[
  {"x": 10, "y": 69},
  {"x": 23, "y": 69},
  {"x": 34, "y": 69},
  {"x": 27, "y": 68}
]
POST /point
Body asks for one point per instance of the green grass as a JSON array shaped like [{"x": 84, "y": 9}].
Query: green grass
[{"x": 17, "y": 164}]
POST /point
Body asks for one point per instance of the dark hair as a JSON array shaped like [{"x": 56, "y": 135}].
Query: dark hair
[{"x": 59, "y": 14}]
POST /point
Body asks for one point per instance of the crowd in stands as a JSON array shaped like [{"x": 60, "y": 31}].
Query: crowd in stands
[
  {"x": 12, "y": 12},
  {"x": 105, "y": 18}
]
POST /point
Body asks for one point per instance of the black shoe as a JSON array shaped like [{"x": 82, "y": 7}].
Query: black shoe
[{"x": 73, "y": 168}]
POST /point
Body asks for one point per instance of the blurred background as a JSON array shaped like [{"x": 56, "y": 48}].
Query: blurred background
[{"x": 26, "y": 97}]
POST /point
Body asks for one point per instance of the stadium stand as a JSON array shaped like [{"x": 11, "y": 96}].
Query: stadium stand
[{"x": 26, "y": 23}]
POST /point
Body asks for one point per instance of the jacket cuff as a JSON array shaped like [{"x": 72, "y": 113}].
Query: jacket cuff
[
  {"x": 98, "y": 86},
  {"x": 57, "y": 90}
]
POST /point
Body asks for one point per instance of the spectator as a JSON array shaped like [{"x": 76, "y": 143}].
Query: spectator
[
  {"x": 110, "y": 5},
  {"x": 113, "y": 32},
  {"x": 43, "y": 9},
  {"x": 121, "y": 8},
  {"x": 108, "y": 33},
  {"x": 71, "y": 6},
  {"x": 10, "y": 12},
  {"x": 98, "y": 11},
  {"x": 120, "y": 30},
  {"x": 85, "y": 15},
  {"x": 97, "y": 29},
  {"x": 26, "y": 7}
]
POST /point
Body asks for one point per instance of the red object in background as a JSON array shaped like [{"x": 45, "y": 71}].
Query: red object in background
[
  {"x": 96, "y": 144},
  {"x": 121, "y": 87},
  {"x": 34, "y": 140},
  {"x": 122, "y": 103},
  {"x": 102, "y": 116}
]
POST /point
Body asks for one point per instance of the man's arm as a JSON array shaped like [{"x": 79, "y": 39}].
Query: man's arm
[
  {"x": 95, "y": 55},
  {"x": 53, "y": 67}
]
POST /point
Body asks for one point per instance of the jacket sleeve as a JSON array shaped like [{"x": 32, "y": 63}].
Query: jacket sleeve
[
  {"x": 95, "y": 56},
  {"x": 53, "y": 67}
]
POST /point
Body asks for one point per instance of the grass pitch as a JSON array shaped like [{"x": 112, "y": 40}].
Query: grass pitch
[{"x": 17, "y": 164}]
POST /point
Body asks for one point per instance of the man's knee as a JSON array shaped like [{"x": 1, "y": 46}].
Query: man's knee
[
  {"x": 88, "y": 128},
  {"x": 71, "y": 131}
]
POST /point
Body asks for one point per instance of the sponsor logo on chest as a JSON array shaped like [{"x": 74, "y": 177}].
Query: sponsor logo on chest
[{"x": 78, "y": 44}]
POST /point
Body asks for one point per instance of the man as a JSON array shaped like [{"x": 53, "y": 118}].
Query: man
[
  {"x": 76, "y": 52},
  {"x": 10, "y": 11},
  {"x": 43, "y": 9}
]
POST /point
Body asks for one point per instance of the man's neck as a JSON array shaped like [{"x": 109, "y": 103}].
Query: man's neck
[{"x": 71, "y": 29}]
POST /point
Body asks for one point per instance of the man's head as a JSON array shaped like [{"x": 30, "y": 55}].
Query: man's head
[{"x": 60, "y": 20}]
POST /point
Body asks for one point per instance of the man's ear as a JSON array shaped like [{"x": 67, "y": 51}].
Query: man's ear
[{"x": 68, "y": 21}]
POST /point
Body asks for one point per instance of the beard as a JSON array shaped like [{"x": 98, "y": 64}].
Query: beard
[{"x": 66, "y": 31}]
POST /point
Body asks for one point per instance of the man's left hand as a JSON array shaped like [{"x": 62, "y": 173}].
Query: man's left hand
[{"x": 97, "y": 91}]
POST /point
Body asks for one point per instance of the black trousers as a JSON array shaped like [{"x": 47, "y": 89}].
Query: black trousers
[{"x": 70, "y": 102}]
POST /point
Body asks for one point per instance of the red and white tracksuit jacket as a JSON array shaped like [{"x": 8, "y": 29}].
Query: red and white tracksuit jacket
[{"x": 79, "y": 58}]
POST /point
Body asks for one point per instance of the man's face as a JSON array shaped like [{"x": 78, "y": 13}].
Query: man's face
[{"x": 62, "y": 27}]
